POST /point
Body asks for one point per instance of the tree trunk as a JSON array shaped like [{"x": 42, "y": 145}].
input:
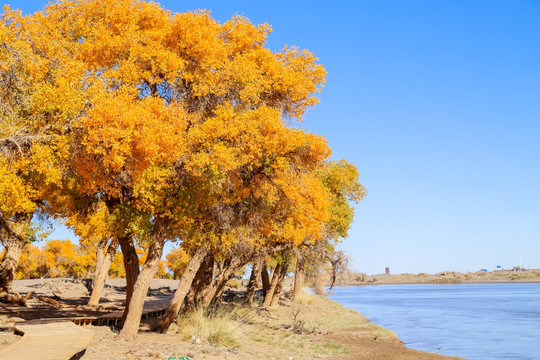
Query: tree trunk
[
  {"x": 272, "y": 273},
  {"x": 220, "y": 288},
  {"x": 218, "y": 297},
  {"x": 210, "y": 288},
  {"x": 131, "y": 265},
  {"x": 273, "y": 285},
  {"x": 13, "y": 243},
  {"x": 253, "y": 282},
  {"x": 220, "y": 281},
  {"x": 149, "y": 269},
  {"x": 277, "y": 291},
  {"x": 13, "y": 247},
  {"x": 265, "y": 279},
  {"x": 207, "y": 279},
  {"x": 102, "y": 272},
  {"x": 270, "y": 292},
  {"x": 183, "y": 287},
  {"x": 199, "y": 282},
  {"x": 299, "y": 277},
  {"x": 100, "y": 255}
]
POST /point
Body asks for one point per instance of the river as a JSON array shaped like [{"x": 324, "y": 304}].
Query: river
[{"x": 474, "y": 321}]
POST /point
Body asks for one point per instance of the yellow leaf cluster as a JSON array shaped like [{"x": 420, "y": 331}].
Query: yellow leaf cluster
[{"x": 15, "y": 195}]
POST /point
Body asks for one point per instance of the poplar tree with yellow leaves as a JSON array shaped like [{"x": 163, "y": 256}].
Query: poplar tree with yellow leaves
[
  {"x": 181, "y": 128},
  {"x": 28, "y": 164}
]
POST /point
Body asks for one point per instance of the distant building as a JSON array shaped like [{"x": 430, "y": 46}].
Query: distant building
[{"x": 387, "y": 271}]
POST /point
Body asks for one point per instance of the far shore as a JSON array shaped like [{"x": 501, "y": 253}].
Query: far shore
[{"x": 447, "y": 277}]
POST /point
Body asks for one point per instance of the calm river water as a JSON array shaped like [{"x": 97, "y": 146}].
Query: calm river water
[{"x": 474, "y": 321}]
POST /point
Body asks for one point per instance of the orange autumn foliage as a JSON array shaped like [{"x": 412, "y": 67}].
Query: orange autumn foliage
[{"x": 61, "y": 258}]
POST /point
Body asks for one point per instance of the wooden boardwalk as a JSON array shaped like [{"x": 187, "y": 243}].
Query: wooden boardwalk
[
  {"x": 152, "y": 309},
  {"x": 45, "y": 340},
  {"x": 61, "y": 338}
]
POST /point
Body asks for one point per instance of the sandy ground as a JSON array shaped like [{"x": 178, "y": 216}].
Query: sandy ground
[
  {"x": 148, "y": 346},
  {"x": 314, "y": 328}
]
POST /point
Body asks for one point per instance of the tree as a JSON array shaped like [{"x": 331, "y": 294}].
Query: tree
[
  {"x": 177, "y": 261},
  {"x": 27, "y": 163},
  {"x": 178, "y": 124},
  {"x": 32, "y": 263},
  {"x": 58, "y": 258}
]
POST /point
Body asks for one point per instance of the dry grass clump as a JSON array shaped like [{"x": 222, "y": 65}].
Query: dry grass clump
[{"x": 221, "y": 326}]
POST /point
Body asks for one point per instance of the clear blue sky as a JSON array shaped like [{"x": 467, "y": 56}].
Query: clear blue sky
[{"x": 438, "y": 105}]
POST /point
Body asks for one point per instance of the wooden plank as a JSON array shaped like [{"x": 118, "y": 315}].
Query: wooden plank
[
  {"x": 60, "y": 338},
  {"x": 47, "y": 341}
]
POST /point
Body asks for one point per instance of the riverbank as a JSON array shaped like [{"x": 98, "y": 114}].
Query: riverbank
[
  {"x": 447, "y": 277},
  {"x": 316, "y": 328},
  {"x": 313, "y": 328}
]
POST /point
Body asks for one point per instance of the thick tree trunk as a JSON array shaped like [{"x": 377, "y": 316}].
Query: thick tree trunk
[
  {"x": 100, "y": 255},
  {"x": 183, "y": 287},
  {"x": 273, "y": 285},
  {"x": 277, "y": 291},
  {"x": 149, "y": 269},
  {"x": 207, "y": 279},
  {"x": 131, "y": 265},
  {"x": 13, "y": 250},
  {"x": 299, "y": 277},
  {"x": 218, "y": 297},
  {"x": 209, "y": 289},
  {"x": 265, "y": 279},
  {"x": 253, "y": 281},
  {"x": 102, "y": 271},
  {"x": 13, "y": 243},
  {"x": 202, "y": 277}
]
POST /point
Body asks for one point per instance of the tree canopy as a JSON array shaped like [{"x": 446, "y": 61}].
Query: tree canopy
[{"x": 136, "y": 125}]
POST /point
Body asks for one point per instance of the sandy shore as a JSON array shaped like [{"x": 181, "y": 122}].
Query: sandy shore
[{"x": 313, "y": 328}]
